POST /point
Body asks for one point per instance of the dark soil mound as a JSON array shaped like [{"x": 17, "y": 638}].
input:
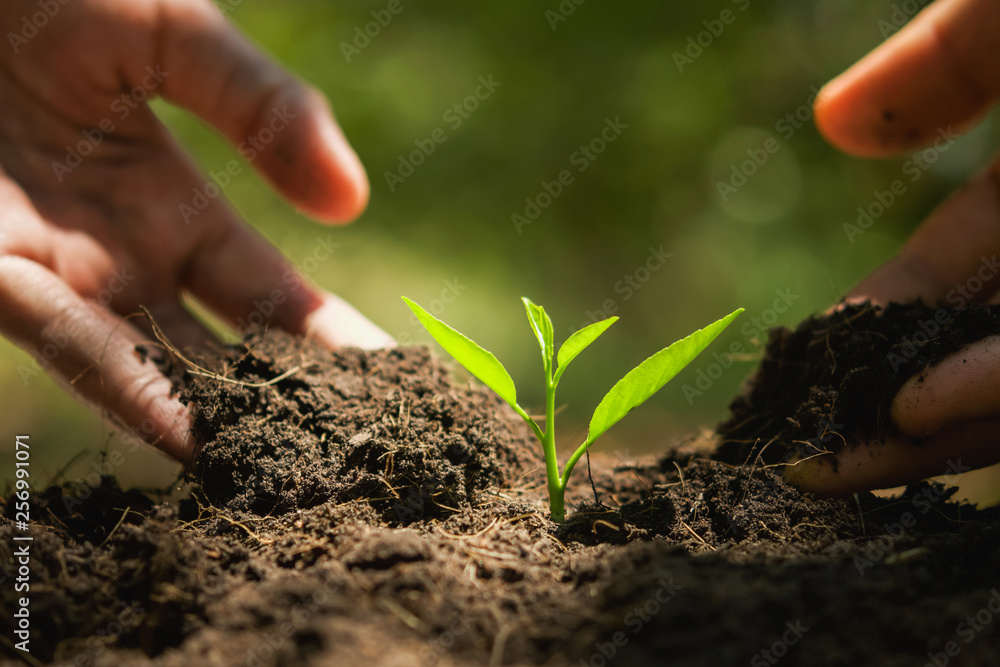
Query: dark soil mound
[
  {"x": 831, "y": 380},
  {"x": 387, "y": 427},
  {"x": 316, "y": 555}
]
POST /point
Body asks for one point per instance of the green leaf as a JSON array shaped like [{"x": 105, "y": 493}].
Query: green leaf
[
  {"x": 542, "y": 326},
  {"x": 478, "y": 361},
  {"x": 579, "y": 341},
  {"x": 649, "y": 377}
]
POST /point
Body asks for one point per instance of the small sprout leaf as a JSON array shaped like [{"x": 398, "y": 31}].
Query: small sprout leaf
[
  {"x": 478, "y": 361},
  {"x": 649, "y": 377},
  {"x": 632, "y": 390},
  {"x": 542, "y": 326},
  {"x": 579, "y": 341}
]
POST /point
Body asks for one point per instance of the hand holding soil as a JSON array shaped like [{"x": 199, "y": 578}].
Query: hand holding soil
[
  {"x": 939, "y": 72},
  {"x": 93, "y": 185},
  {"x": 353, "y": 507}
]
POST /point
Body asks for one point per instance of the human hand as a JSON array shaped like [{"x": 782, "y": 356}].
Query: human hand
[
  {"x": 92, "y": 225},
  {"x": 937, "y": 75}
]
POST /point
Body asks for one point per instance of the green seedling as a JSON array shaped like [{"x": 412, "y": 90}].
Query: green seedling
[{"x": 631, "y": 391}]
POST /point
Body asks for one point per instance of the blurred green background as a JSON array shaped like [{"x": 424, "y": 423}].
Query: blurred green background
[{"x": 447, "y": 230}]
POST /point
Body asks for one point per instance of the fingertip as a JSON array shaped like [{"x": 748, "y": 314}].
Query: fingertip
[
  {"x": 825, "y": 112},
  {"x": 148, "y": 406},
  {"x": 813, "y": 475},
  {"x": 913, "y": 408},
  {"x": 348, "y": 190},
  {"x": 337, "y": 323},
  {"x": 843, "y": 115},
  {"x": 314, "y": 165},
  {"x": 860, "y": 466},
  {"x": 281, "y": 125},
  {"x": 960, "y": 388},
  {"x": 169, "y": 429}
]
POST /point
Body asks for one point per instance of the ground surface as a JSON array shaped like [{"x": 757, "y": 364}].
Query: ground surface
[{"x": 367, "y": 510}]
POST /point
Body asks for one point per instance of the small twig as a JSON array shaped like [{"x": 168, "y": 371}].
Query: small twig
[
  {"x": 120, "y": 521},
  {"x": 450, "y": 536},
  {"x": 240, "y": 383},
  {"x": 400, "y": 612},
  {"x": 521, "y": 517},
  {"x": 597, "y": 499},
  {"x": 496, "y": 655},
  {"x": 605, "y": 523},
  {"x": 252, "y": 534},
  {"x": 491, "y": 554},
  {"x": 796, "y": 462},
  {"x": 697, "y": 536},
  {"x": 861, "y": 514},
  {"x": 681, "y": 473},
  {"x": 556, "y": 540},
  {"x": 759, "y": 454},
  {"x": 160, "y": 336},
  {"x": 445, "y": 507},
  {"x": 62, "y": 471}
]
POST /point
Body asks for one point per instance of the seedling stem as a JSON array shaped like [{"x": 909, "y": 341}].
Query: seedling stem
[{"x": 642, "y": 382}]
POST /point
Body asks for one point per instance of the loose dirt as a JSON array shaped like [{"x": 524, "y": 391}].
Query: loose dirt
[{"x": 356, "y": 508}]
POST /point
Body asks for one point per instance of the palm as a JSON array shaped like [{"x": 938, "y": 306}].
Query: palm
[
  {"x": 931, "y": 77},
  {"x": 93, "y": 228},
  {"x": 114, "y": 218}
]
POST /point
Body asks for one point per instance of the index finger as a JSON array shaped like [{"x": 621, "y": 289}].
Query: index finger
[
  {"x": 282, "y": 126},
  {"x": 940, "y": 71}
]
